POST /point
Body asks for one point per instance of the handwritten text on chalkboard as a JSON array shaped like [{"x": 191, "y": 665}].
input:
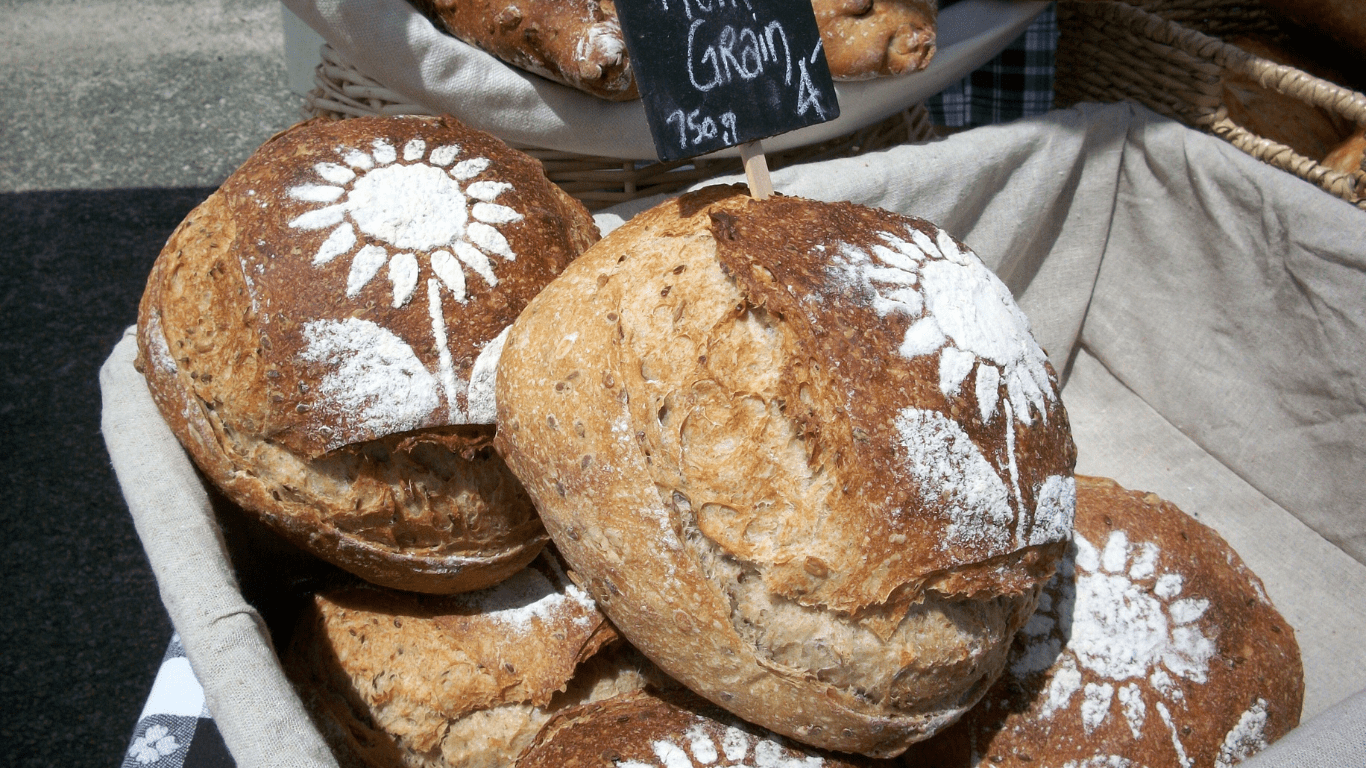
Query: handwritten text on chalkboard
[{"x": 716, "y": 73}]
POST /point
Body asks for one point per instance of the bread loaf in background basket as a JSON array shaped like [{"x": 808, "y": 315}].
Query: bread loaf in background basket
[{"x": 1241, "y": 69}]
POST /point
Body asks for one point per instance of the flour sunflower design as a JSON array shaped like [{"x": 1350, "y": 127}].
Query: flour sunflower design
[
  {"x": 1128, "y": 632},
  {"x": 734, "y": 748},
  {"x": 965, "y": 316},
  {"x": 1152, "y": 646},
  {"x": 962, "y": 313},
  {"x": 407, "y": 204}
]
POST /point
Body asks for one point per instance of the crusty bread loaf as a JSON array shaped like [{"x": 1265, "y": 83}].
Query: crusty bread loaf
[
  {"x": 401, "y": 679},
  {"x": 1309, "y": 130},
  {"x": 1350, "y": 155},
  {"x": 1153, "y": 646},
  {"x": 1342, "y": 20},
  {"x": 669, "y": 729},
  {"x": 320, "y": 334},
  {"x": 875, "y": 38},
  {"x": 574, "y": 42},
  {"x": 807, "y": 457}
]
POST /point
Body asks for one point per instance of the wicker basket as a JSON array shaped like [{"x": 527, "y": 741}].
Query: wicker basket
[
  {"x": 342, "y": 91},
  {"x": 1166, "y": 55}
]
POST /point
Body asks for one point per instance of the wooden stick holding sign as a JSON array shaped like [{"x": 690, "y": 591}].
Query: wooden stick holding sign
[
  {"x": 756, "y": 170},
  {"x": 715, "y": 74}
]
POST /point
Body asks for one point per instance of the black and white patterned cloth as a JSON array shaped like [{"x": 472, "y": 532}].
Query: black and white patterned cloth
[
  {"x": 1017, "y": 83},
  {"x": 175, "y": 729}
]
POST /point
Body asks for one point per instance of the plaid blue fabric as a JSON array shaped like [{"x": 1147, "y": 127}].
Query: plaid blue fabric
[{"x": 1017, "y": 83}]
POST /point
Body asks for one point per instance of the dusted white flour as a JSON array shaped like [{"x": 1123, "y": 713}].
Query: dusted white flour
[
  {"x": 529, "y": 596},
  {"x": 699, "y": 749},
  {"x": 374, "y": 383},
  {"x": 1246, "y": 739},
  {"x": 940, "y": 455}
]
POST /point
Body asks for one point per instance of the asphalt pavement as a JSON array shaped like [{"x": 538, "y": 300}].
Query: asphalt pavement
[{"x": 116, "y": 118}]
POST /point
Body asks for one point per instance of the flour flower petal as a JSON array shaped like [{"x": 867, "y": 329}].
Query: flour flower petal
[
  {"x": 359, "y": 160},
  {"x": 468, "y": 169},
  {"x": 922, "y": 338},
  {"x": 487, "y": 190},
  {"x": 413, "y": 150},
  {"x": 320, "y": 218},
  {"x": 336, "y": 174},
  {"x": 492, "y": 213},
  {"x": 477, "y": 261},
  {"x": 342, "y": 239},
  {"x": 365, "y": 266},
  {"x": 444, "y": 155},
  {"x": 489, "y": 240},
  {"x": 403, "y": 273},
  {"x": 384, "y": 152},
  {"x": 316, "y": 193},
  {"x": 448, "y": 270}
]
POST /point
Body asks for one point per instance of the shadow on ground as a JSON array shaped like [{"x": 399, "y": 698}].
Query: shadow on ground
[{"x": 84, "y": 629}]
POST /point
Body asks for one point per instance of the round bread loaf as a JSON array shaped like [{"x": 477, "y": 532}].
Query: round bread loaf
[
  {"x": 320, "y": 334},
  {"x": 807, "y": 457},
  {"x": 875, "y": 38},
  {"x": 1153, "y": 646},
  {"x": 666, "y": 729},
  {"x": 398, "y": 679}
]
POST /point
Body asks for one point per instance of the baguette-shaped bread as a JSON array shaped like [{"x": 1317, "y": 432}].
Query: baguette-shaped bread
[
  {"x": 320, "y": 333},
  {"x": 1153, "y": 645},
  {"x": 577, "y": 43},
  {"x": 806, "y": 456}
]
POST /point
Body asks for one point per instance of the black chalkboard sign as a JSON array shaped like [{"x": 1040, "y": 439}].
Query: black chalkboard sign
[{"x": 717, "y": 73}]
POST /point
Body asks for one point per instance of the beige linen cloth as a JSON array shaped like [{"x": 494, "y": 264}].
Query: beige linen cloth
[{"x": 1209, "y": 315}]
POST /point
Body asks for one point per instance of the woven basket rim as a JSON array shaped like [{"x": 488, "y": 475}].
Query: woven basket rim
[
  {"x": 343, "y": 91},
  {"x": 1140, "y": 20}
]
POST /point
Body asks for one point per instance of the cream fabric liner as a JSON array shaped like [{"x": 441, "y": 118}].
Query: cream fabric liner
[{"x": 1217, "y": 311}]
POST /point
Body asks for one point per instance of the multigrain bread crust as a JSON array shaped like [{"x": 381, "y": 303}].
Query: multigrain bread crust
[
  {"x": 1153, "y": 646},
  {"x": 573, "y": 42},
  {"x": 402, "y": 680},
  {"x": 875, "y": 38},
  {"x": 806, "y": 456},
  {"x": 579, "y": 43},
  {"x": 320, "y": 334},
  {"x": 673, "y": 729}
]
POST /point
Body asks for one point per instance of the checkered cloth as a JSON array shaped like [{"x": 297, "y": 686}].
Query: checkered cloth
[
  {"x": 175, "y": 729},
  {"x": 1017, "y": 83}
]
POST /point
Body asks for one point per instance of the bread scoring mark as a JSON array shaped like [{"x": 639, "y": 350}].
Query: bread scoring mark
[
  {"x": 1115, "y": 629},
  {"x": 157, "y": 348},
  {"x": 699, "y": 746},
  {"x": 601, "y": 46},
  {"x": 1246, "y": 738},
  {"x": 1055, "y": 505}
]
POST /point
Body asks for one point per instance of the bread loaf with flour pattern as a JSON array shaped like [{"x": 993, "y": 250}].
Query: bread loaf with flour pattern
[
  {"x": 1154, "y": 645},
  {"x": 320, "y": 335},
  {"x": 806, "y": 456}
]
